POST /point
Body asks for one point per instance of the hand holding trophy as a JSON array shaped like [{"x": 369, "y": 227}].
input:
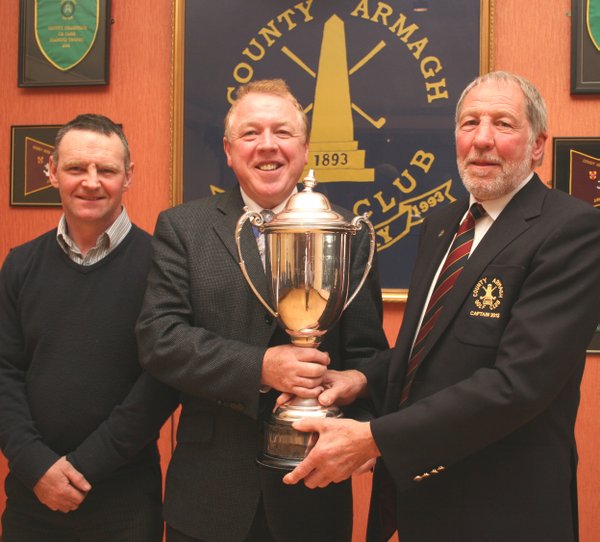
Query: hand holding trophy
[{"x": 307, "y": 262}]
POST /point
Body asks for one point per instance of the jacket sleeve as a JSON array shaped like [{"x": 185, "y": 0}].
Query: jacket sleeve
[{"x": 178, "y": 343}]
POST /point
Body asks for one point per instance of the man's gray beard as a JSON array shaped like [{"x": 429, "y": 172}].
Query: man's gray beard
[{"x": 505, "y": 182}]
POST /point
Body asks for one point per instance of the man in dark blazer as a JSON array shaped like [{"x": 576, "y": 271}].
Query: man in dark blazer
[
  {"x": 203, "y": 331},
  {"x": 483, "y": 447}
]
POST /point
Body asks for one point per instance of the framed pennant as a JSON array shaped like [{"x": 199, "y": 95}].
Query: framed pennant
[
  {"x": 63, "y": 42},
  {"x": 31, "y": 147}
]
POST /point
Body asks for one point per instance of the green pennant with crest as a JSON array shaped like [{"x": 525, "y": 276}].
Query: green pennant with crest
[
  {"x": 65, "y": 30},
  {"x": 593, "y": 21}
]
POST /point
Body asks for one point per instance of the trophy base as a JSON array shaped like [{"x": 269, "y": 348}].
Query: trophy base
[{"x": 284, "y": 447}]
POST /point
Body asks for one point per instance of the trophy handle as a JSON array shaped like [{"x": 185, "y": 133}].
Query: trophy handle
[
  {"x": 256, "y": 219},
  {"x": 355, "y": 222}
]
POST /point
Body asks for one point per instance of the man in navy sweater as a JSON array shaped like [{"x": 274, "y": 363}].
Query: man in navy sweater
[{"x": 78, "y": 418}]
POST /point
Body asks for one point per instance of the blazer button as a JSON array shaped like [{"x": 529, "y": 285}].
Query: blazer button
[{"x": 268, "y": 319}]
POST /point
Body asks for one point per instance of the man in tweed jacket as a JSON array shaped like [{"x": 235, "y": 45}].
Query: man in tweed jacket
[{"x": 203, "y": 331}]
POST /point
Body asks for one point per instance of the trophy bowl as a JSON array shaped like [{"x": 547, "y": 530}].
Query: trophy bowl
[{"x": 307, "y": 263}]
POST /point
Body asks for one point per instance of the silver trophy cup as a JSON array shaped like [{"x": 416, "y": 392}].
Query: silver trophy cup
[{"x": 307, "y": 262}]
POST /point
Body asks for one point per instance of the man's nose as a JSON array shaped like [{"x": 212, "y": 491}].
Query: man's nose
[
  {"x": 91, "y": 179},
  {"x": 484, "y": 136},
  {"x": 267, "y": 140}
]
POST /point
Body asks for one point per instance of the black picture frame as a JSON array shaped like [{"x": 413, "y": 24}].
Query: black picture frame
[
  {"x": 281, "y": 40},
  {"x": 585, "y": 56},
  {"x": 570, "y": 156},
  {"x": 38, "y": 61},
  {"x": 576, "y": 167},
  {"x": 30, "y": 148}
]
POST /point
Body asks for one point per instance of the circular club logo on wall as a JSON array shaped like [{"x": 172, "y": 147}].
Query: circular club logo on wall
[{"x": 379, "y": 82}]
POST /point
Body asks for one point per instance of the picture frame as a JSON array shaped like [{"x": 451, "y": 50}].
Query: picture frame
[
  {"x": 576, "y": 167},
  {"x": 399, "y": 122},
  {"x": 574, "y": 159},
  {"x": 30, "y": 148},
  {"x": 63, "y": 43},
  {"x": 585, "y": 49}
]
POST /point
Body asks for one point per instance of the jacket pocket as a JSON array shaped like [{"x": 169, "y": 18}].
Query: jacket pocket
[{"x": 486, "y": 310}]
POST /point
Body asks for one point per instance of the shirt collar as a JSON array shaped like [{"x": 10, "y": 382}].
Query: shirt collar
[
  {"x": 110, "y": 238},
  {"x": 253, "y": 206}
]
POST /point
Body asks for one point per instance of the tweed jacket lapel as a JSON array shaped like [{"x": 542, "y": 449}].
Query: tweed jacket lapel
[{"x": 231, "y": 208}]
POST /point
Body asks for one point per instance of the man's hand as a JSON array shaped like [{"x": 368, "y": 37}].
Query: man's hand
[
  {"x": 343, "y": 387},
  {"x": 343, "y": 447},
  {"x": 295, "y": 370},
  {"x": 62, "y": 488},
  {"x": 339, "y": 387}
]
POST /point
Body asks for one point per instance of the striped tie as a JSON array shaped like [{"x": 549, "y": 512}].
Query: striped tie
[{"x": 453, "y": 265}]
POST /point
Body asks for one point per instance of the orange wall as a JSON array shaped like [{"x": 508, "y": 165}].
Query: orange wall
[{"x": 531, "y": 38}]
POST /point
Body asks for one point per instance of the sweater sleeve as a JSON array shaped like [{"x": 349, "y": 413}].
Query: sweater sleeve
[
  {"x": 130, "y": 427},
  {"x": 22, "y": 444}
]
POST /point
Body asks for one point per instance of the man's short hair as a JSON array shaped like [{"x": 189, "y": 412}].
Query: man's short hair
[
  {"x": 93, "y": 123},
  {"x": 275, "y": 87}
]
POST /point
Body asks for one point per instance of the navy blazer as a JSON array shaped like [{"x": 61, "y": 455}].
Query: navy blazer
[{"x": 485, "y": 448}]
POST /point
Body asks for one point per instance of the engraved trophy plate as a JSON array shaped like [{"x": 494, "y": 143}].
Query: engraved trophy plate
[{"x": 307, "y": 262}]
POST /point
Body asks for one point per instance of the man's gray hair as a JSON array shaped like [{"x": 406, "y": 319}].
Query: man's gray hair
[{"x": 535, "y": 107}]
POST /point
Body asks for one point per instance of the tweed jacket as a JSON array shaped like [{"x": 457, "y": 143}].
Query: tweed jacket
[{"x": 203, "y": 331}]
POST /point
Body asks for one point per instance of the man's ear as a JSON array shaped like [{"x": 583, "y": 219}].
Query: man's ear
[
  {"x": 52, "y": 167},
  {"x": 227, "y": 149},
  {"x": 538, "y": 147},
  {"x": 128, "y": 177}
]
